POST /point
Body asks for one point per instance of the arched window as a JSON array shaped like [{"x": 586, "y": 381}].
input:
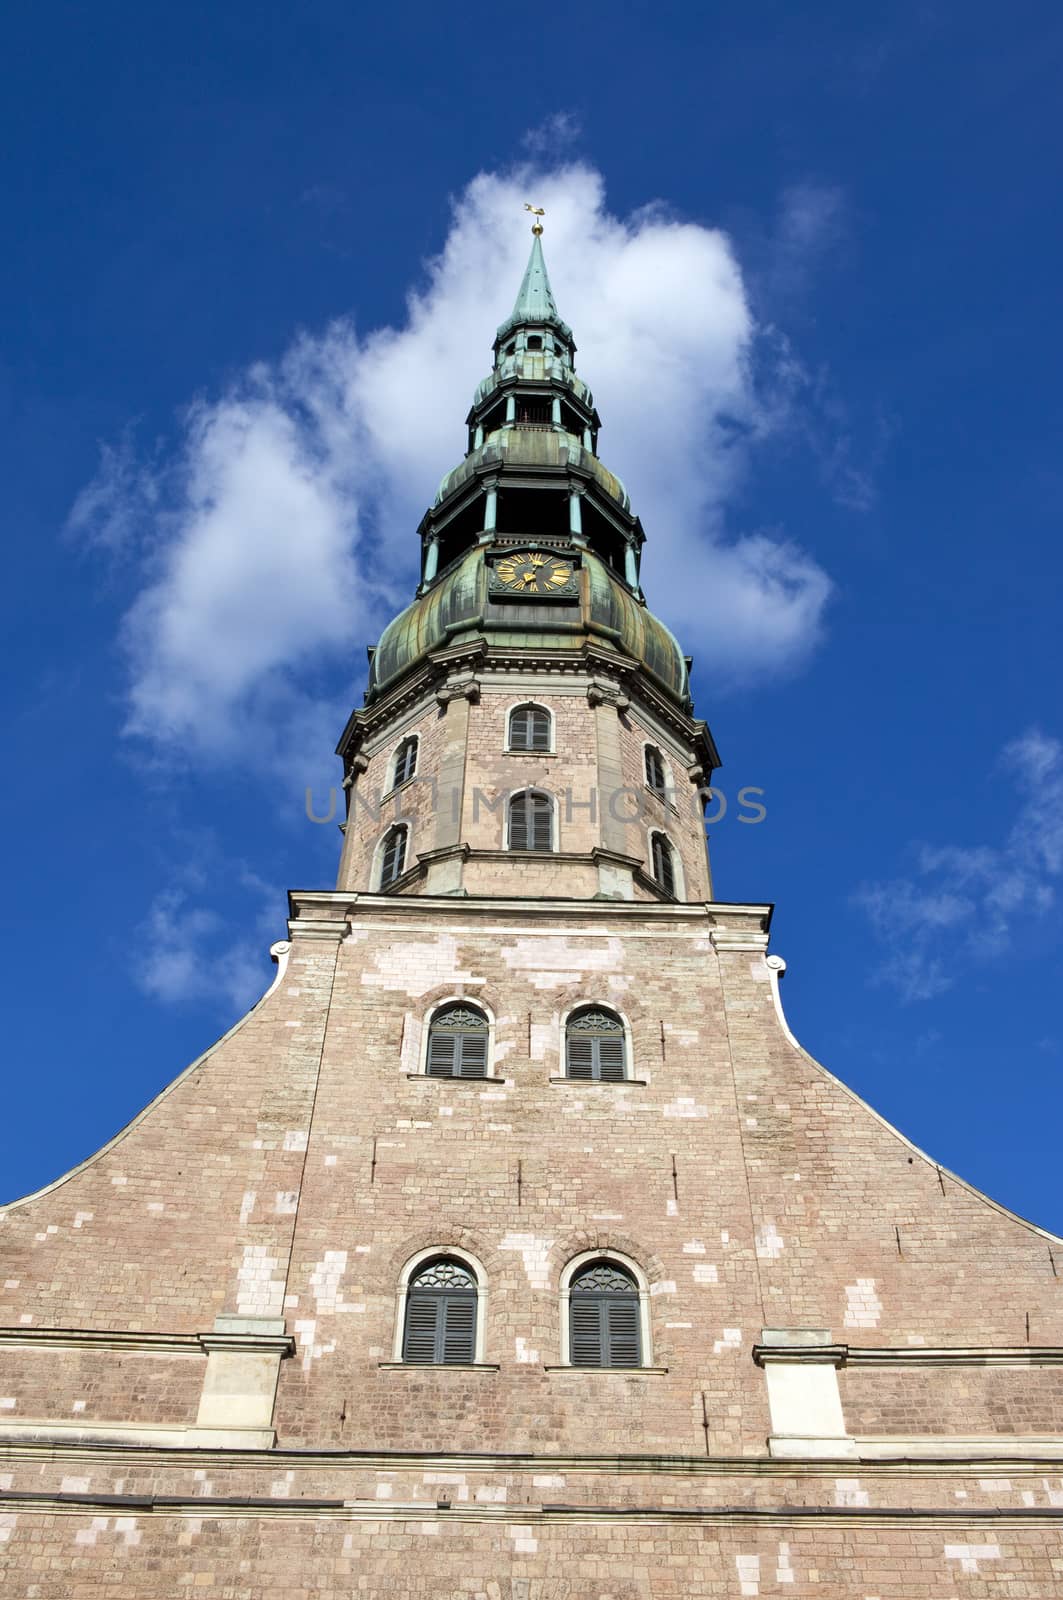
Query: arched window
[
  {"x": 440, "y": 1325},
  {"x": 662, "y": 863},
  {"x": 531, "y": 821},
  {"x": 457, "y": 1043},
  {"x": 594, "y": 1045},
  {"x": 393, "y": 854},
  {"x": 656, "y": 773},
  {"x": 604, "y": 1317},
  {"x": 529, "y": 728},
  {"x": 405, "y": 763}
]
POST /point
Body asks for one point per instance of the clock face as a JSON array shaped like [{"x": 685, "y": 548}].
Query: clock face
[{"x": 534, "y": 573}]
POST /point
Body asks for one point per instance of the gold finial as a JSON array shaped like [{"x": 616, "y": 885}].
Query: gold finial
[{"x": 537, "y": 212}]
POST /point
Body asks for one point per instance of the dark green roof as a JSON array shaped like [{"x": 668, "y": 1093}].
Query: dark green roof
[{"x": 457, "y": 608}]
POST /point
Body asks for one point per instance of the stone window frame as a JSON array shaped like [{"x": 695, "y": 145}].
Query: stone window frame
[
  {"x": 666, "y": 795},
  {"x": 390, "y": 784},
  {"x": 678, "y": 892},
  {"x": 375, "y": 878},
  {"x": 629, "y": 1049},
  {"x": 511, "y": 749},
  {"x": 629, "y": 1264},
  {"x": 437, "y": 1252},
  {"x": 555, "y": 833},
  {"x": 474, "y": 1003}
]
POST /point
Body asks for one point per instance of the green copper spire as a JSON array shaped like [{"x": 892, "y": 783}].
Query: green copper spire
[{"x": 535, "y": 300}]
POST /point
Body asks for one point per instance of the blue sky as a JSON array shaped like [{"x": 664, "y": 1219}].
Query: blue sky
[{"x": 811, "y": 258}]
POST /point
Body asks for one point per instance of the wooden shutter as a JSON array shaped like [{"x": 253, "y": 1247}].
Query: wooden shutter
[
  {"x": 585, "y": 1325},
  {"x": 422, "y": 1324},
  {"x": 471, "y": 1057},
  {"x": 541, "y": 822},
  {"x": 580, "y": 1056},
  {"x": 621, "y": 1315},
  {"x": 458, "y": 1333},
  {"x": 457, "y": 1044},
  {"x": 594, "y": 1046},
  {"x": 610, "y": 1053},
  {"x": 442, "y": 1053},
  {"x": 604, "y": 1318}
]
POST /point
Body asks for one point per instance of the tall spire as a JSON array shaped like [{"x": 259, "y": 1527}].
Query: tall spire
[{"x": 535, "y": 301}]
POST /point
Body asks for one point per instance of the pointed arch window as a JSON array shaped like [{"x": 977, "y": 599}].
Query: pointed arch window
[
  {"x": 529, "y": 728},
  {"x": 440, "y": 1325},
  {"x": 604, "y": 1319},
  {"x": 594, "y": 1045},
  {"x": 405, "y": 764},
  {"x": 393, "y": 854},
  {"x": 662, "y": 863},
  {"x": 531, "y": 821},
  {"x": 656, "y": 773},
  {"x": 457, "y": 1043}
]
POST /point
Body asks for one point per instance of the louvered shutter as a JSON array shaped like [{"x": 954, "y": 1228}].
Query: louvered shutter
[
  {"x": 541, "y": 822},
  {"x": 471, "y": 1055},
  {"x": 518, "y": 823},
  {"x": 621, "y": 1315},
  {"x": 442, "y": 1053},
  {"x": 610, "y": 1054},
  {"x": 655, "y": 770},
  {"x": 458, "y": 1332},
  {"x": 585, "y": 1324},
  {"x": 422, "y": 1323},
  {"x": 580, "y": 1056}
]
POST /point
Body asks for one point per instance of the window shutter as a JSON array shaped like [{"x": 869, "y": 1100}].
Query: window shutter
[
  {"x": 622, "y": 1337},
  {"x": 422, "y": 1320},
  {"x": 594, "y": 1046},
  {"x": 518, "y": 823},
  {"x": 655, "y": 776},
  {"x": 585, "y": 1323},
  {"x": 542, "y": 820},
  {"x": 459, "y": 1329},
  {"x": 471, "y": 1056},
  {"x": 519, "y": 729},
  {"x": 442, "y": 1053},
  {"x": 610, "y": 1052},
  {"x": 580, "y": 1056}
]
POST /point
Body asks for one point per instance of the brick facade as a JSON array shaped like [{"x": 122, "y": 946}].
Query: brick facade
[{"x": 850, "y": 1364}]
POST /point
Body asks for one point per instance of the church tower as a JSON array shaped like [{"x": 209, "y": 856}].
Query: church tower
[
  {"x": 511, "y": 1247},
  {"x": 528, "y": 728}
]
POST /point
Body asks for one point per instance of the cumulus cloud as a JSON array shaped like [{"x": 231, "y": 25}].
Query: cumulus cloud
[
  {"x": 257, "y": 527},
  {"x": 960, "y": 902}
]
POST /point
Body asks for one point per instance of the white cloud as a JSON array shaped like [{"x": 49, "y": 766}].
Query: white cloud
[
  {"x": 961, "y": 902},
  {"x": 186, "y": 951},
  {"x": 258, "y": 529}
]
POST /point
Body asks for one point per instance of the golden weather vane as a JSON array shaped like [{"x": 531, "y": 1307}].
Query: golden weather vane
[{"x": 537, "y": 212}]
